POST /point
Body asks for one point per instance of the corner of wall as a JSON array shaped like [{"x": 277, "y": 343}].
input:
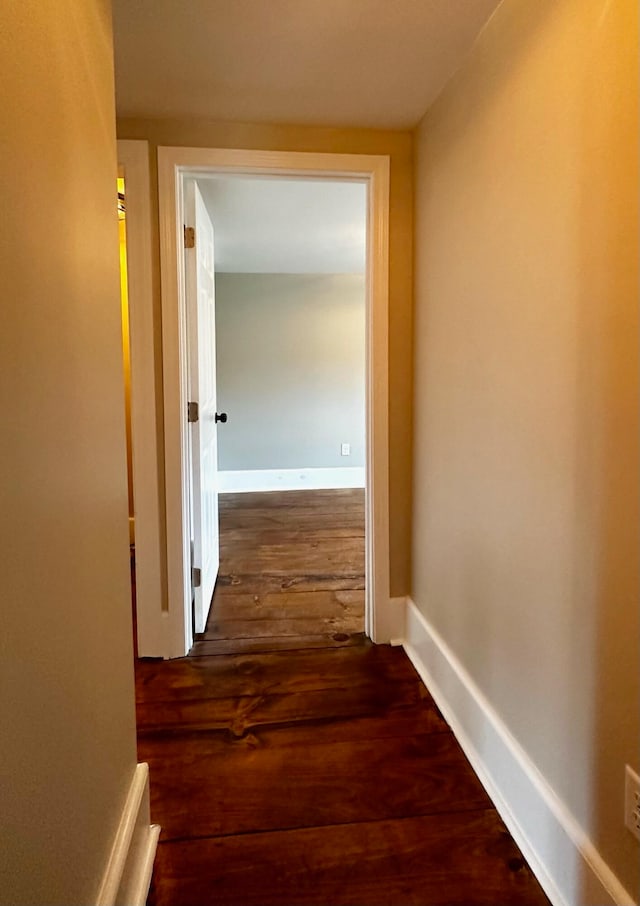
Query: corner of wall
[
  {"x": 128, "y": 873},
  {"x": 566, "y": 862}
]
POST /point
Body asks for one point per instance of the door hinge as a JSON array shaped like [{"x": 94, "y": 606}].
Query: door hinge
[
  {"x": 196, "y": 577},
  {"x": 193, "y": 413},
  {"x": 189, "y": 237}
]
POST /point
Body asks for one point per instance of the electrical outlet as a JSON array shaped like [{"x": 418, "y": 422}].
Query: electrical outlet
[
  {"x": 345, "y": 450},
  {"x": 632, "y": 801}
]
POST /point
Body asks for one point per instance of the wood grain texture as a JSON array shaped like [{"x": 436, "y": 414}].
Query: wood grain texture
[
  {"x": 354, "y": 714},
  {"x": 266, "y": 780},
  {"x": 285, "y": 673},
  {"x": 301, "y": 768},
  {"x": 459, "y": 859},
  {"x": 315, "y": 776},
  {"x": 291, "y": 573},
  {"x": 261, "y": 643}
]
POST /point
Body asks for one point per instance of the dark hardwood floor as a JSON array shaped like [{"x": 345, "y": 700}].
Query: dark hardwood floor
[
  {"x": 320, "y": 772},
  {"x": 291, "y": 572}
]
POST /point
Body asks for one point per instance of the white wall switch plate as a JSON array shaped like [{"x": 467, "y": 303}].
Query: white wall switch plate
[
  {"x": 345, "y": 450},
  {"x": 632, "y": 801}
]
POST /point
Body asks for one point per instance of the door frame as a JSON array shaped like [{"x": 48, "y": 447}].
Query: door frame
[
  {"x": 133, "y": 158},
  {"x": 173, "y": 164}
]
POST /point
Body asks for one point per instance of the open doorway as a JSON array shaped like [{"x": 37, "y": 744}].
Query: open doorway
[
  {"x": 289, "y": 414},
  {"x": 177, "y": 168},
  {"x": 126, "y": 363}
]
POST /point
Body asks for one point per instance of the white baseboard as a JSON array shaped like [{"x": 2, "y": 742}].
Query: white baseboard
[
  {"x": 289, "y": 479},
  {"x": 396, "y": 621},
  {"x": 565, "y": 861},
  {"x": 128, "y": 874}
]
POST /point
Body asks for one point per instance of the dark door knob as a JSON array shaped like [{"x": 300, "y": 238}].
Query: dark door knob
[{"x": 221, "y": 417}]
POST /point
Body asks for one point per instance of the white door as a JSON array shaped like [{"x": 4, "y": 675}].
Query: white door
[{"x": 200, "y": 292}]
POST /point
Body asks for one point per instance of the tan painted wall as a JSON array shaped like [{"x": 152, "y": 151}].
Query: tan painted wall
[
  {"x": 526, "y": 421},
  {"x": 68, "y": 735},
  {"x": 398, "y": 145}
]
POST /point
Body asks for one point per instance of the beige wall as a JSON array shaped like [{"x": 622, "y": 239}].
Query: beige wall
[
  {"x": 526, "y": 418},
  {"x": 398, "y": 145},
  {"x": 68, "y": 736}
]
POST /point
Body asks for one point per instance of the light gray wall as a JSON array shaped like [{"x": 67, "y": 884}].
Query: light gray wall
[
  {"x": 525, "y": 546},
  {"x": 66, "y": 686},
  {"x": 291, "y": 370}
]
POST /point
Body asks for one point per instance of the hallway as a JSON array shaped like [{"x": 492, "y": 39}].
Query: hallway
[
  {"x": 292, "y": 761},
  {"x": 315, "y": 776}
]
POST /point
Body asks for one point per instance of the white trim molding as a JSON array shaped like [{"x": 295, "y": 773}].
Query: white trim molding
[
  {"x": 127, "y": 877},
  {"x": 397, "y": 611},
  {"x": 238, "y": 482},
  {"x": 173, "y": 165},
  {"x": 563, "y": 858},
  {"x": 133, "y": 158}
]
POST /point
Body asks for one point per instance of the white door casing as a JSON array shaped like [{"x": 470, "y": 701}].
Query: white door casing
[
  {"x": 382, "y": 616},
  {"x": 201, "y": 353}
]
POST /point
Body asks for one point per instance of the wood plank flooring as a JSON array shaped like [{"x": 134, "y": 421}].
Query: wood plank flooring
[
  {"x": 308, "y": 774},
  {"x": 291, "y": 573}
]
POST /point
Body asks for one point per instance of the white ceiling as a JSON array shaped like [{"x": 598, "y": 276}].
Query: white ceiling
[
  {"x": 377, "y": 63},
  {"x": 286, "y": 226}
]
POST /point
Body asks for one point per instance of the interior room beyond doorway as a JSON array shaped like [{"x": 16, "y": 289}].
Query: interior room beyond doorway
[{"x": 290, "y": 316}]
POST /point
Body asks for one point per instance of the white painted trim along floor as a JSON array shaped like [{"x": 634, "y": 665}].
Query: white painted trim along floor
[
  {"x": 565, "y": 861},
  {"x": 234, "y": 482},
  {"x": 127, "y": 876}
]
